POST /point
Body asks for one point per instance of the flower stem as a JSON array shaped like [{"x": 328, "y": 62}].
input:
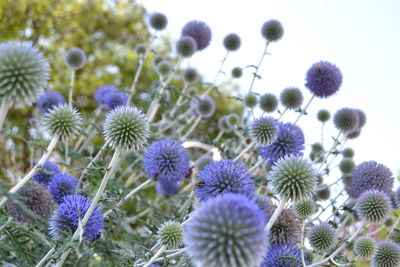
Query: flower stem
[
  {"x": 194, "y": 125},
  {"x": 255, "y": 75},
  {"x": 250, "y": 146},
  {"x": 4, "y": 107},
  {"x": 217, "y": 75},
  {"x": 46, "y": 257},
  {"x": 161, "y": 250},
  {"x": 304, "y": 110},
  {"x": 71, "y": 88}
]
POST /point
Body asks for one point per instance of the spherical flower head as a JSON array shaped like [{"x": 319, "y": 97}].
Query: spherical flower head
[
  {"x": 203, "y": 106},
  {"x": 226, "y": 231},
  {"x": 223, "y": 124},
  {"x": 158, "y": 21},
  {"x": 190, "y": 75},
  {"x": 62, "y": 185},
  {"x": 347, "y": 166},
  {"x": 322, "y": 237},
  {"x": 354, "y": 134},
  {"x": 286, "y": 228},
  {"x": 233, "y": 119},
  {"x": 48, "y": 100},
  {"x": 237, "y": 72},
  {"x": 72, "y": 210},
  {"x": 291, "y": 98},
  {"x": 232, "y": 42},
  {"x": 24, "y": 73},
  {"x": 167, "y": 161},
  {"x": 305, "y": 208},
  {"x": 46, "y": 173},
  {"x": 199, "y": 31},
  {"x": 36, "y": 203},
  {"x": 365, "y": 247},
  {"x": 126, "y": 128},
  {"x": 164, "y": 68},
  {"x": 289, "y": 142},
  {"x": 371, "y": 175},
  {"x": 114, "y": 99},
  {"x": 323, "y": 79},
  {"x": 346, "y": 120},
  {"x": 167, "y": 188},
  {"x": 140, "y": 49},
  {"x": 323, "y": 115},
  {"x": 75, "y": 58},
  {"x": 250, "y": 100},
  {"x": 283, "y": 255},
  {"x": 373, "y": 206},
  {"x": 102, "y": 91},
  {"x": 192, "y": 92},
  {"x": 170, "y": 234},
  {"x": 264, "y": 130},
  {"x": 293, "y": 178},
  {"x": 63, "y": 121},
  {"x": 323, "y": 193},
  {"x": 362, "y": 117},
  {"x": 186, "y": 46},
  {"x": 348, "y": 152},
  {"x": 268, "y": 102},
  {"x": 272, "y": 30},
  {"x": 387, "y": 255}
]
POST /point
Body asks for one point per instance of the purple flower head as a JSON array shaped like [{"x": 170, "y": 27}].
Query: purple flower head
[
  {"x": 224, "y": 176},
  {"x": 49, "y": 99},
  {"x": 290, "y": 141},
  {"x": 323, "y": 79},
  {"x": 199, "y": 31},
  {"x": 283, "y": 255},
  {"x": 113, "y": 99},
  {"x": 166, "y": 161},
  {"x": 226, "y": 231},
  {"x": 167, "y": 189},
  {"x": 371, "y": 175},
  {"x": 44, "y": 176},
  {"x": 203, "y": 106},
  {"x": 66, "y": 219},
  {"x": 102, "y": 90},
  {"x": 62, "y": 185}
]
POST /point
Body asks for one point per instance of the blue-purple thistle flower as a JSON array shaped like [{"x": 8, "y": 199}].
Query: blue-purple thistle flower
[
  {"x": 62, "y": 185},
  {"x": 45, "y": 175},
  {"x": 66, "y": 219},
  {"x": 290, "y": 142},
  {"x": 199, "y": 31},
  {"x": 226, "y": 231},
  {"x": 167, "y": 189},
  {"x": 102, "y": 90},
  {"x": 224, "y": 176},
  {"x": 49, "y": 99},
  {"x": 166, "y": 161},
  {"x": 113, "y": 99},
  {"x": 283, "y": 255},
  {"x": 323, "y": 79}
]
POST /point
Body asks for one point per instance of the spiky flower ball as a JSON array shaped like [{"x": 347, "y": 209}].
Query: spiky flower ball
[
  {"x": 186, "y": 46},
  {"x": 250, "y": 100},
  {"x": 199, "y": 31},
  {"x": 348, "y": 152},
  {"x": 64, "y": 121},
  {"x": 190, "y": 75},
  {"x": 387, "y": 255},
  {"x": 268, "y": 102},
  {"x": 102, "y": 91},
  {"x": 126, "y": 128},
  {"x": 224, "y": 176},
  {"x": 237, "y": 72},
  {"x": 66, "y": 219},
  {"x": 323, "y": 193},
  {"x": 222, "y": 229},
  {"x": 164, "y": 68},
  {"x": 283, "y": 255},
  {"x": 323, "y": 115},
  {"x": 362, "y": 117},
  {"x": 35, "y": 203},
  {"x": 45, "y": 174},
  {"x": 323, "y": 79},
  {"x": 347, "y": 166},
  {"x": 167, "y": 188},
  {"x": 291, "y": 98},
  {"x": 264, "y": 130},
  {"x": 170, "y": 235},
  {"x": 167, "y": 161},
  {"x": 286, "y": 228},
  {"x": 272, "y": 30},
  {"x": 365, "y": 247},
  {"x": 203, "y": 106},
  {"x": 233, "y": 120},
  {"x": 158, "y": 21},
  {"x": 322, "y": 237},
  {"x": 113, "y": 99},
  {"x": 140, "y": 49},
  {"x": 293, "y": 178},
  {"x": 223, "y": 124},
  {"x": 346, "y": 120},
  {"x": 48, "y": 100},
  {"x": 373, "y": 206},
  {"x": 75, "y": 58},
  {"x": 24, "y": 73},
  {"x": 62, "y": 185},
  {"x": 395, "y": 236},
  {"x": 232, "y": 42},
  {"x": 304, "y": 208},
  {"x": 290, "y": 141}
]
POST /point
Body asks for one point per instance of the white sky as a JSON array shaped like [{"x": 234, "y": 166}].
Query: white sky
[{"x": 360, "y": 36}]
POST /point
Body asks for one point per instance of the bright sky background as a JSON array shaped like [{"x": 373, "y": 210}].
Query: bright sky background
[{"x": 360, "y": 36}]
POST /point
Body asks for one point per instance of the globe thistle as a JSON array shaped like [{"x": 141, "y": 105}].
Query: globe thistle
[
  {"x": 283, "y": 255},
  {"x": 203, "y": 106},
  {"x": 348, "y": 152},
  {"x": 126, "y": 128},
  {"x": 158, "y": 21},
  {"x": 167, "y": 161},
  {"x": 75, "y": 58},
  {"x": 237, "y": 72},
  {"x": 186, "y": 46},
  {"x": 268, "y": 102},
  {"x": 250, "y": 100},
  {"x": 167, "y": 188},
  {"x": 232, "y": 42},
  {"x": 347, "y": 166},
  {"x": 164, "y": 68},
  {"x": 365, "y": 247},
  {"x": 102, "y": 91},
  {"x": 291, "y": 98},
  {"x": 34, "y": 203},
  {"x": 323, "y": 79},
  {"x": 272, "y": 30},
  {"x": 293, "y": 178},
  {"x": 290, "y": 141},
  {"x": 192, "y": 92},
  {"x": 233, "y": 120},
  {"x": 222, "y": 229},
  {"x": 362, "y": 117},
  {"x": 323, "y": 115},
  {"x": 371, "y": 175},
  {"x": 387, "y": 255},
  {"x": 140, "y": 49},
  {"x": 63, "y": 121},
  {"x": 264, "y": 130},
  {"x": 223, "y": 125},
  {"x": 114, "y": 99},
  {"x": 199, "y": 31},
  {"x": 323, "y": 193},
  {"x": 167, "y": 129},
  {"x": 190, "y": 75},
  {"x": 170, "y": 235},
  {"x": 203, "y": 161},
  {"x": 286, "y": 228},
  {"x": 322, "y": 237},
  {"x": 373, "y": 206},
  {"x": 62, "y": 185},
  {"x": 24, "y": 73},
  {"x": 69, "y": 214},
  {"x": 48, "y": 100},
  {"x": 395, "y": 236},
  {"x": 346, "y": 120},
  {"x": 353, "y": 135},
  {"x": 46, "y": 173},
  {"x": 305, "y": 208}
]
